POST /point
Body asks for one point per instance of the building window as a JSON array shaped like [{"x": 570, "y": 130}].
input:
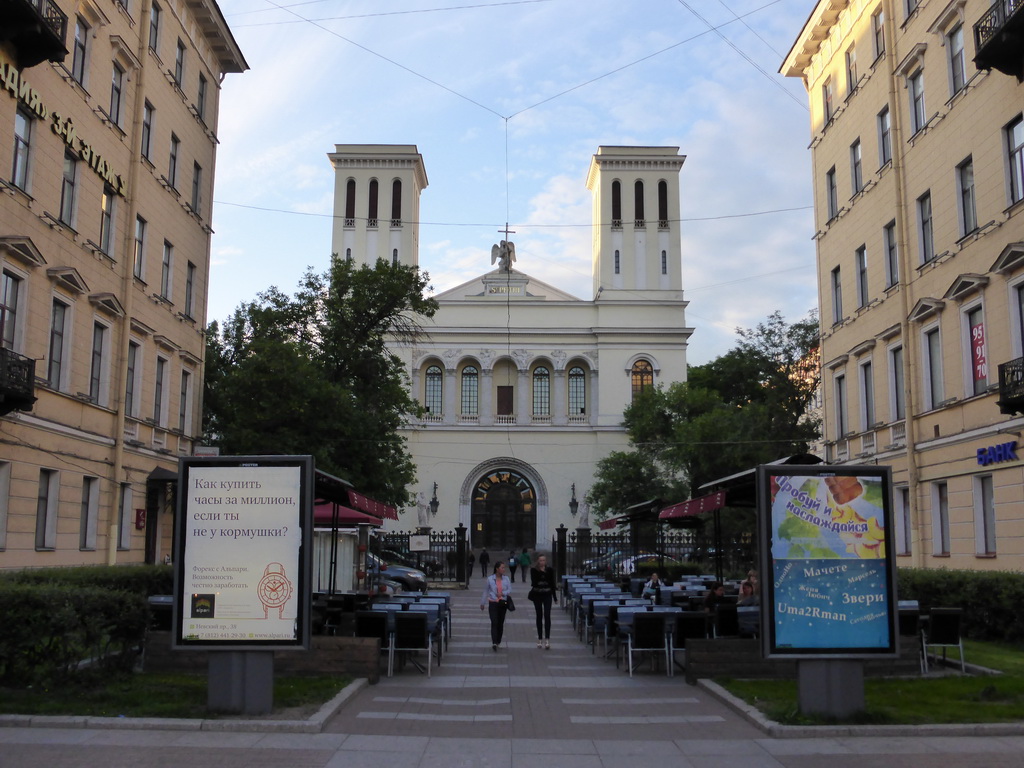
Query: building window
[
  {"x": 107, "y": 203},
  {"x": 1015, "y": 153},
  {"x": 867, "y": 395},
  {"x": 897, "y": 385},
  {"x": 984, "y": 515},
  {"x": 79, "y": 50},
  {"x": 46, "y": 509},
  {"x": 172, "y": 162},
  {"x": 166, "y": 263},
  {"x": 185, "y": 404},
  {"x": 842, "y": 426},
  {"x": 433, "y": 395},
  {"x": 904, "y": 530},
  {"x": 641, "y": 377},
  {"x": 892, "y": 263},
  {"x": 924, "y": 227},
  {"x": 22, "y": 145},
  {"x": 832, "y": 194},
  {"x": 940, "y": 519},
  {"x": 116, "y": 94},
  {"x": 124, "y": 517},
  {"x": 616, "y": 204},
  {"x": 837, "y": 296},
  {"x": 470, "y": 391},
  {"x": 179, "y": 63},
  {"x": 58, "y": 347},
  {"x": 861, "y": 263},
  {"x": 197, "y": 186},
  {"x": 664, "y": 262},
  {"x": 10, "y": 300},
  {"x": 663, "y": 205},
  {"x": 68, "y": 188},
  {"x": 915, "y": 85},
  {"x": 348, "y": 254},
  {"x": 851, "y": 69},
  {"x": 396, "y": 203},
  {"x": 159, "y": 387},
  {"x": 577, "y": 391},
  {"x": 932, "y": 369},
  {"x": 965, "y": 190},
  {"x": 828, "y": 99},
  {"x": 88, "y": 513},
  {"x": 98, "y": 364},
  {"x": 154, "y": 28},
  {"x": 618, "y": 264},
  {"x": 878, "y": 31},
  {"x": 884, "y": 137},
  {"x": 638, "y": 204},
  {"x": 350, "y": 203},
  {"x": 912, "y": 6},
  {"x": 131, "y": 403},
  {"x": 190, "y": 289},
  {"x": 147, "y": 129},
  {"x": 856, "y": 168},
  {"x": 394, "y": 257},
  {"x": 977, "y": 355},
  {"x": 5, "y": 497},
  {"x": 957, "y": 66},
  {"x": 371, "y": 204},
  {"x": 541, "y": 391},
  {"x": 201, "y": 97},
  {"x": 138, "y": 263}
]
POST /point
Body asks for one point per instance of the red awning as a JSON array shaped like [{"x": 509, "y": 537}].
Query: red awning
[
  {"x": 371, "y": 506},
  {"x": 693, "y": 506},
  {"x": 323, "y": 516},
  {"x": 608, "y": 524}
]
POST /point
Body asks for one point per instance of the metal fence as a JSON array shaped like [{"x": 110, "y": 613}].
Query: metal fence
[{"x": 441, "y": 562}]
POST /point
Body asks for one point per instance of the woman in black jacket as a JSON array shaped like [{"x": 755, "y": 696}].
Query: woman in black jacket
[{"x": 542, "y": 593}]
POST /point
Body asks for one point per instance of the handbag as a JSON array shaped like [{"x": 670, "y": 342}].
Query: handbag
[{"x": 509, "y": 605}]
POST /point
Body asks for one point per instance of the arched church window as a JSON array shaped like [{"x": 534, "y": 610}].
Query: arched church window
[
  {"x": 642, "y": 377},
  {"x": 618, "y": 265},
  {"x": 433, "y": 395},
  {"x": 663, "y": 204},
  {"x": 350, "y": 203},
  {"x": 577, "y": 391},
  {"x": 470, "y": 391},
  {"x": 664, "y": 262},
  {"x": 396, "y": 203},
  {"x": 371, "y": 205},
  {"x": 394, "y": 257},
  {"x": 348, "y": 254},
  {"x": 638, "y": 202},
  {"x": 541, "y": 391},
  {"x": 616, "y": 204}
]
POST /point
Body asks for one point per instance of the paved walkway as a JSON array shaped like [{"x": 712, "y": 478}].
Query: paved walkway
[{"x": 560, "y": 708}]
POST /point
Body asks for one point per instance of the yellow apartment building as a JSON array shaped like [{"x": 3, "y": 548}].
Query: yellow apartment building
[
  {"x": 917, "y": 141},
  {"x": 108, "y": 136}
]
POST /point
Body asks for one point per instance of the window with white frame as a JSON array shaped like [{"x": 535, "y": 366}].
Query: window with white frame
[
  {"x": 957, "y": 63},
  {"x": 124, "y": 517},
  {"x": 116, "y": 94},
  {"x": 892, "y": 262},
  {"x": 11, "y": 288},
  {"x": 867, "y": 396},
  {"x": 860, "y": 260},
  {"x": 851, "y": 69},
  {"x": 912, "y": 6},
  {"x": 148, "y": 116},
  {"x": 138, "y": 262},
  {"x": 69, "y": 188},
  {"x": 160, "y": 392},
  {"x": 878, "y": 31},
  {"x": 831, "y": 193},
  {"x": 57, "y": 356},
  {"x": 5, "y": 501},
  {"x": 925, "y": 228},
  {"x": 1015, "y": 156},
  {"x": 201, "y": 94},
  {"x": 965, "y": 196},
  {"x": 856, "y": 168},
  {"x": 22, "y": 149},
  {"x": 197, "y": 186},
  {"x": 932, "y": 368},
  {"x": 99, "y": 365},
  {"x": 88, "y": 513},
  {"x": 915, "y": 89},
  {"x": 884, "y": 137},
  {"x": 904, "y": 529},
  {"x": 984, "y": 515},
  {"x": 470, "y": 391},
  {"x": 185, "y": 403},
  {"x": 840, "y": 413},
  {"x": 107, "y": 205},
  {"x": 897, "y": 384},
  {"x": 828, "y": 99},
  {"x": 166, "y": 265},
  {"x": 190, "y": 289},
  {"x": 133, "y": 380},
  {"x": 541, "y": 391},
  {"x": 433, "y": 391},
  {"x": 154, "y": 28},
  {"x": 837, "y": 296},
  {"x": 577, "y": 391},
  {"x": 940, "y": 519},
  {"x": 172, "y": 162},
  {"x": 47, "y": 503},
  {"x": 975, "y": 348},
  {"x": 79, "y": 51},
  {"x": 179, "y": 63}
]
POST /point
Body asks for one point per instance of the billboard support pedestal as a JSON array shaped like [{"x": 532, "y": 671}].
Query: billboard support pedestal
[
  {"x": 240, "y": 682},
  {"x": 831, "y": 687}
]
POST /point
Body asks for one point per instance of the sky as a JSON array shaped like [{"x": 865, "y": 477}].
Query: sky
[{"x": 507, "y": 100}]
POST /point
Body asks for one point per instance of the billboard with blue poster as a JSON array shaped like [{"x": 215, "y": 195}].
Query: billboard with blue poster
[{"x": 829, "y": 577}]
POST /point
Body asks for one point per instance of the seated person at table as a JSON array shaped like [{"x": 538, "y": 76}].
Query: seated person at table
[
  {"x": 748, "y": 596},
  {"x": 714, "y": 597},
  {"x": 652, "y": 586}
]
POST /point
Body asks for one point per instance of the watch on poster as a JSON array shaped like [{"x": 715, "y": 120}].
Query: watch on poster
[{"x": 274, "y": 589}]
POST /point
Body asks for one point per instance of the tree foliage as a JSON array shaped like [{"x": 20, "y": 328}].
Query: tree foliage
[
  {"x": 312, "y": 373},
  {"x": 746, "y": 407}
]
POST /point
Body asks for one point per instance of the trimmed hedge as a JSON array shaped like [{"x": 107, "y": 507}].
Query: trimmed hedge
[
  {"x": 142, "y": 580},
  {"x": 991, "y": 600}
]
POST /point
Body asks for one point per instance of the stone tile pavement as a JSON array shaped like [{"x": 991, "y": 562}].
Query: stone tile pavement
[{"x": 560, "y": 708}]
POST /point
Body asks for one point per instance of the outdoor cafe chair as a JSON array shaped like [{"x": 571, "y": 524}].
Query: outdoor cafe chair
[
  {"x": 727, "y": 622},
  {"x": 374, "y": 624},
  {"x": 943, "y": 631},
  {"x": 648, "y": 636},
  {"x": 412, "y": 634}
]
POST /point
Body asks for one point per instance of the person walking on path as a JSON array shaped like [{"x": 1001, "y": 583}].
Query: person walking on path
[
  {"x": 497, "y": 591},
  {"x": 542, "y": 595},
  {"x": 524, "y": 563},
  {"x": 513, "y": 563},
  {"x": 484, "y": 560}
]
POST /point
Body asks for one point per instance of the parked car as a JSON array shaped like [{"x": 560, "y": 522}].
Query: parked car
[
  {"x": 411, "y": 579},
  {"x": 426, "y": 563},
  {"x": 644, "y": 563}
]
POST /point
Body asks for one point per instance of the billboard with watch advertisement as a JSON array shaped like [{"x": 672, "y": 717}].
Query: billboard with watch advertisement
[
  {"x": 242, "y": 543},
  {"x": 829, "y": 575}
]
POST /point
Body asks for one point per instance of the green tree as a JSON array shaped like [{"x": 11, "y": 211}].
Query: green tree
[{"x": 313, "y": 374}]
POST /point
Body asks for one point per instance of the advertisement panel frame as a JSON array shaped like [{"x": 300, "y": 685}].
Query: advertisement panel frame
[
  {"x": 817, "y": 628},
  {"x": 215, "y": 481}
]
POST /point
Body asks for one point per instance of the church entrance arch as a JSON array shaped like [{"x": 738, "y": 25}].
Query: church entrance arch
[{"x": 504, "y": 512}]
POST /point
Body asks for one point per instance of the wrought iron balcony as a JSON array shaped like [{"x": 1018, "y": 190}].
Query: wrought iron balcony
[
  {"x": 999, "y": 38},
  {"x": 1011, "y": 387},
  {"x": 17, "y": 382},
  {"x": 37, "y": 28}
]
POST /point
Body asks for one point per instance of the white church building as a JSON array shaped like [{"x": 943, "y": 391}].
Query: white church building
[{"x": 523, "y": 384}]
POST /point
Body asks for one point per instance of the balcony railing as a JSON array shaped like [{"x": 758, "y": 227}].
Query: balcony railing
[
  {"x": 997, "y": 38},
  {"x": 37, "y": 28},
  {"x": 17, "y": 382},
  {"x": 1011, "y": 387}
]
